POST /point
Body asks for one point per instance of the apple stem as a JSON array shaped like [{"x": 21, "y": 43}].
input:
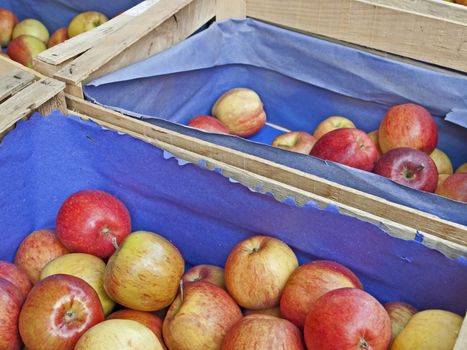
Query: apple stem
[
  {"x": 114, "y": 243},
  {"x": 181, "y": 290}
]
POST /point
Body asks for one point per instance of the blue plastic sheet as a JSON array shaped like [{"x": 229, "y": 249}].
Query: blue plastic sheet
[
  {"x": 44, "y": 160},
  {"x": 302, "y": 80},
  {"x": 58, "y": 13}
]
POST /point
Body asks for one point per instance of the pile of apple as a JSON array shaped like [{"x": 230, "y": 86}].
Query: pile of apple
[
  {"x": 403, "y": 149},
  {"x": 60, "y": 293},
  {"x": 26, "y": 39}
]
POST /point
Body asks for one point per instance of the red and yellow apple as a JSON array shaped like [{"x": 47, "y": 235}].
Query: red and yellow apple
[
  {"x": 332, "y": 123},
  {"x": 85, "y": 21},
  {"x": 257, "y": 270},
  {"x": 295, "y": 141},
  {"x": 462, "y": 168},
  {"x": 454, "y": 187},
  {"x": 199, "y": 317},
  {"x": 263, "y": 332},
  {"x": 442, "y": 161},
  {"x": 206, "y": 273},
  {"x": 58, "y": 37},
  {"x": 208, "y": 123},
  {"x": 16, "y": 276},
  {"x": 272, "y": 311},
  {"x": 311, "y": 281},
  {"x": 10, "y": 306},
  {"x": 57, "y": 311},
  {"x": 400, "y": 314},
  {"x": 409, "y": 167},
  {"x": 374, "y": 137},
  {"x": 8, "y": 20},
  {"x": 31, "y": 27},
  {"x": 347, "y": 318},
  {"x": 241, "y": 111},
  {"x": 36, "y": 251},
  {"x": 88, "y": 267},
  {"x": 408, "y": 125},
  {"x": 348, "y": 146},
  {"x": 92, "y": 222},
  {"x": 441, "y": 179},
  {"x": 24, "y": 48},
  {"x": 144, "y": 273}
]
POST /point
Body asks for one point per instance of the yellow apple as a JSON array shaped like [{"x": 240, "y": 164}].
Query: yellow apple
[
  {"x": 84, "y": 22},
  {"x": 442, "y": 161},
  {"x": 85, "y": 266},
  {"x": 332, "y": 123},
  {"x": 33, "y": 28},
  {"x": 462, "y": 168}
]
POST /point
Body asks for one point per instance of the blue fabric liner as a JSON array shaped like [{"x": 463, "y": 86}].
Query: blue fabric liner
[
  {"x": 44, "y": 160},
  {"x": 58, "y": 13},
  {"x": 302, "y": 80}
]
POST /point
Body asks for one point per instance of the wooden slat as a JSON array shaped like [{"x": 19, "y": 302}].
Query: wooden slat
[
  {"x": 230, "y": 9},
  {"x": 118, "y": 42},
  {"x": 13, "y": 82},
  {"x": 461, "y": 342},
  {"x": 28, "y": 100},
  {"x": 426, "y": 37},
  {"x": 418, "y": 220}
]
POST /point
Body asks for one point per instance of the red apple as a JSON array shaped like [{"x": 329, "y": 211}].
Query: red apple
[
  {"x": 347, "y": 146},
  {"x": 408, "y": 125},
  {"x": 263, "y": 332},
  {"x": 311, "y": 281},
  {"x": 150, "y": 320},
  {"x": 199, "y": 317},
  {"x": 374, "y": 137},
  {"x": 295, "y": 141},
  {"x": 85, "y": 21},
  {"x": 36, "y": 251},
  {"x": 461, "y": 2},
  {"x": 59, "y": 36},
  {"x": 257, "y": 270},
  {"x": 92, "y": 221},
  {"x": 208, "y": 123},
  {"x": 31, "y": 27},
  {"x": 409, "y": 167},
  {"x": 442, "y": 161},
  {"x": 10, "y": 306},
  {"x": 272, "y": 311},
  {"x": 462, "y": 168},
  {"x": 17, "y": 277},
  {"x": 332, "y": 123},
  {"x": 454, "y": 187},
  {"x": 441, "y": 179},
  {"x": 347, "y": 318},
  {"x": 205, "y": 273},
  {"x": 400, "y": 314},
  {"x": 241, "y": 111},
  {"x": 57, "y": 311},
  {"x": 24, "y": 48},
  {"x": 8, "y": 21}
]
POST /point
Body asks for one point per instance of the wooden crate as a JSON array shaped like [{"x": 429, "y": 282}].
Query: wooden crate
[{"x": 24, "y": 91}]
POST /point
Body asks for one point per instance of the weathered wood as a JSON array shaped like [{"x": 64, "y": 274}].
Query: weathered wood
[
  {"x": 230, "y": 9},
  {"x": 395, "y": 27},
  {"x": 14, "y": 81},
  {"x": 56, "y": 103}
]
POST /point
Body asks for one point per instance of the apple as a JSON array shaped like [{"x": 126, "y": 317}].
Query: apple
[
  {"x": 118, "y": 334},
  {"x": 311, "y": 281},
  {"x": 257, "y": 270},
  {"x": 409, "y": 167},
  {"x": 461, "y": 2},
  {"x": 374, "y": 137},
  {"x": 441, "y": 179},
  {"x": 400, "y": 314},
  {"x": 295, "y": 141},
  {"x": 347, "y": 318},
  {"x": 17, "y": 277},
  {"x": 454, "y": 187},
  {"x": 263, "y": 332},
  {"x": 442, "y": 161},
  {"x": 199, "y": 317},
  {"x": 408, "y": 125},
  {"x": 241, "y": 111},
  {"x": 150, "y": 320},
  {"x": 93, "y": 222},
  {"x": 205, "y": 273},
  {"x": 24, "y": 48},
  {"x": 59, "y": 36},
  {"x": 272, "y": 311},
  {"x": 10, "y": 306},
  {"x": 8, "y": 21},
  {"x": 36, "y": 250},
  {"x": 144, "y": 273},
  {"x": 208, "y": 123},
  {"x": 348, "y": 146},
  {"x": 33, "y": 28},
  {"x": 85, "y": 266},
  {"x": 332, "y": 123},
  {"x": 462, "y": 168},
  {"x": 85, "y": 21},
  {"x": 57, "y": 311}
]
